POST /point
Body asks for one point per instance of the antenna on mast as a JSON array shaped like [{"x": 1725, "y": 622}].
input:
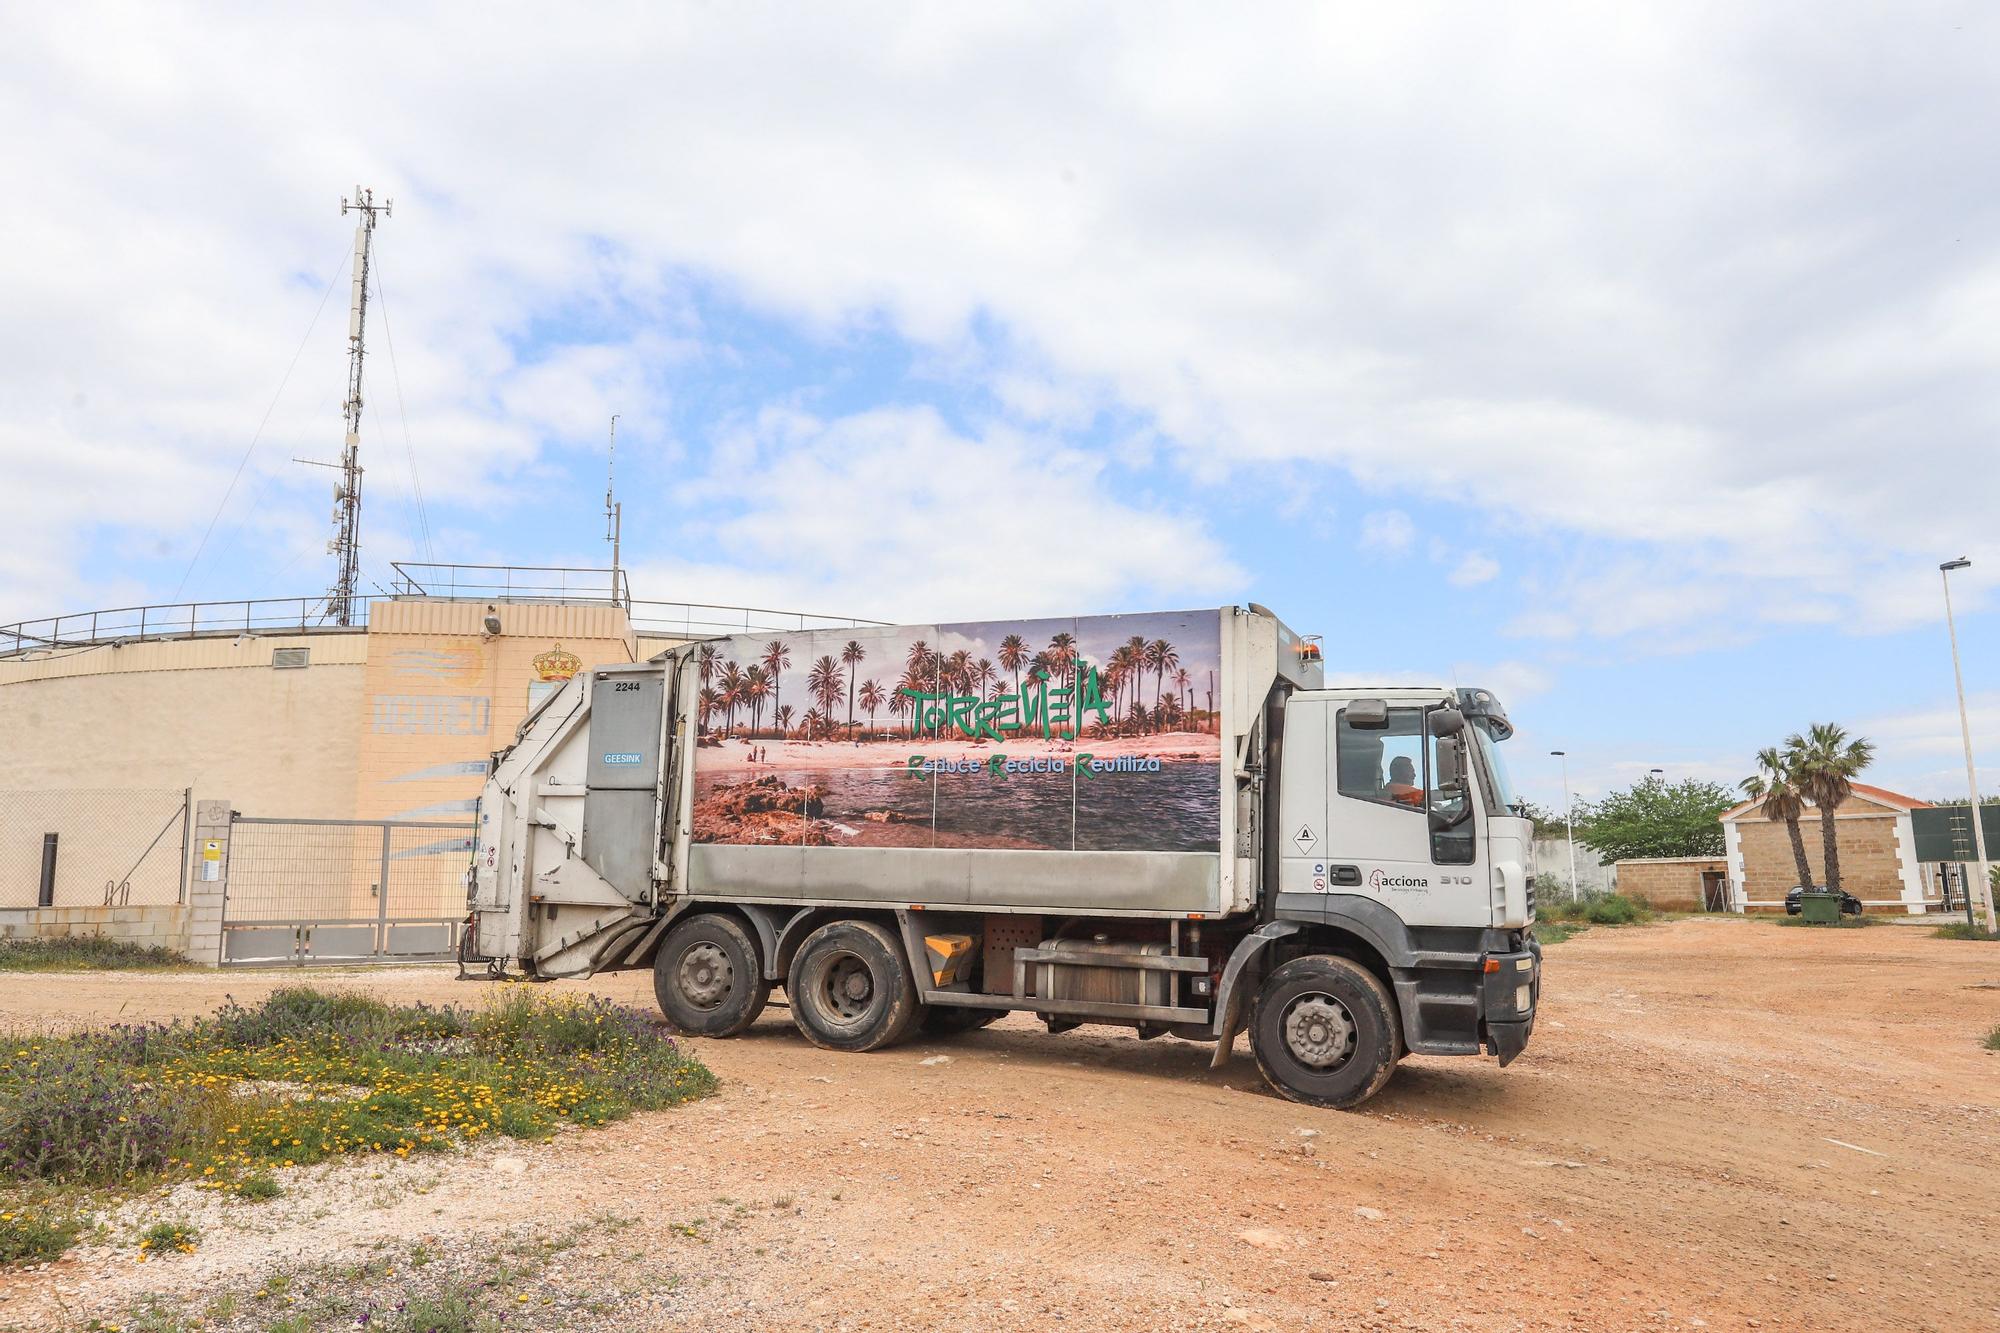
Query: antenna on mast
[
  {"x": 614, "y": 511},
  {"x": 346, "y": 543}
]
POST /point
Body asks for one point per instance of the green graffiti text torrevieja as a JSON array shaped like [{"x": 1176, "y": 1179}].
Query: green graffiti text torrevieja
[{"x": 1038, "y": 707}]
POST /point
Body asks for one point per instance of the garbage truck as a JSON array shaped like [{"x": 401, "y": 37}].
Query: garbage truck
[{"x": 1165, "y": 821}]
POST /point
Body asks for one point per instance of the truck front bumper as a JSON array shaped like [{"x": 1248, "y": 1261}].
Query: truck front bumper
[{"x": 1511, "y": 988}]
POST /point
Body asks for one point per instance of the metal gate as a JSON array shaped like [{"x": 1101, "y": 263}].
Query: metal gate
[{"x": 344, "y": 890}]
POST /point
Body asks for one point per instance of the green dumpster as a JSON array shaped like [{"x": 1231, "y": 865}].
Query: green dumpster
[{"x": 1820, "y": 909}]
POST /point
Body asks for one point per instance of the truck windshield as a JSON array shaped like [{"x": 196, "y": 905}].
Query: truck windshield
[{"x": 1502, "y": 784}]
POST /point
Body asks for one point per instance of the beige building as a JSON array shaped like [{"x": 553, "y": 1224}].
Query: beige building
[
  {"x": 1677, "y": 883},
  {"x": 1878, "y": 862}
]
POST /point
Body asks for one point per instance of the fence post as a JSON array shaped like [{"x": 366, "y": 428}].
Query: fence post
[
  {"x": 46, "y": 894},
  {"x": 382, "y": 899},
  {"x": 208, "y": 887},
  {"x": 187, "y": 841}
]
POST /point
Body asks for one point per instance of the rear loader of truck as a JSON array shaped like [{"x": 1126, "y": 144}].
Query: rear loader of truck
[{"x": 1166, "y": 821}]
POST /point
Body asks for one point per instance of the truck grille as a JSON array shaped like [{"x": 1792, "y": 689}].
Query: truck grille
[{"x": 1531, "y": 899}]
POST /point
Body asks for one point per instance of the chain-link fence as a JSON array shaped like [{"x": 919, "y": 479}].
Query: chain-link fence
[
  {"x": 92, "y": 847},
  {"x": 328, "y": 889}
]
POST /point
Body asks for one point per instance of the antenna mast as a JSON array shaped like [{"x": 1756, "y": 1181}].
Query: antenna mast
[
  {"x": 346, "y": 543},
  {"x": 614, "y": 511}
]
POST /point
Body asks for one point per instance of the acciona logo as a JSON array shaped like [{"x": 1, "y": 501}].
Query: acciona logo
[{"x": 1379, "y": 881}]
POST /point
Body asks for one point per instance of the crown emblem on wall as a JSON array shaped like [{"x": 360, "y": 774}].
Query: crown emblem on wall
[{"x": 556, "y": 664}]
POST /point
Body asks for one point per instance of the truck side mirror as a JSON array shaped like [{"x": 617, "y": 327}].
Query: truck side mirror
[
  {"x": 1368, "y": 714},
  {"x": 1450, "y": 765},
  {"x": 1447, "y": 722}
]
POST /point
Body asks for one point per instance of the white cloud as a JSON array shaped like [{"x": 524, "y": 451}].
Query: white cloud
[
  {"x": 1473, "y": 569},
  {"x": 892, "y": 515},
  {"x": 1386, "y": 532},
  {"x": 1659, "y": 280}
]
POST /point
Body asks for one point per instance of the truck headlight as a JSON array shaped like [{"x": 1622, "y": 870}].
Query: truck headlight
[{"x": 1524, "y": 999}]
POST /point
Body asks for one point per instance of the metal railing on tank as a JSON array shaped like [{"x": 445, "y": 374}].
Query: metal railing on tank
[
  {"x": 170, "y": 620},
  {"x": 512, "y": 583}
]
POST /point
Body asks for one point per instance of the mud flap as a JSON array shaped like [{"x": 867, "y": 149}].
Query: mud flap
[{"x": 1234, "y": 1001}]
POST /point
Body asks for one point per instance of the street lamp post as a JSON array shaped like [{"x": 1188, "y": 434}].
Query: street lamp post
[
  {"x": 1971, "y": 775},
  {"x": 1569, "y": 826}
]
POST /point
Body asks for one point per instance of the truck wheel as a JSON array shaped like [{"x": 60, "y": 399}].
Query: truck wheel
[
  {"x": 850, "y": 988},
  {"x": 707, "y": 978},
  {"x": 1324, "y": 1032},
  {"x": 948, "y": 1020}
]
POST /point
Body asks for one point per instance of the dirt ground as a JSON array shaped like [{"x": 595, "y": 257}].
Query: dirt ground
[{"x": 1719, "y": 1124}]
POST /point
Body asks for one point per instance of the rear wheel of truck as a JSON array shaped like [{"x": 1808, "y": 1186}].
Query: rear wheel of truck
[
  {"x": 707, "y": 978},
  {"x": 1325, "y": 1032},
  {"x": 850, "y": 988}
]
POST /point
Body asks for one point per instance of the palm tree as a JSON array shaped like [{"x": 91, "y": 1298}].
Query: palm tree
[
  {"x": 731, "y": 680},
  {"x": 825, "y": 681},
  {"x": 756, "y": 689},
  {"x": 958, "y": 671},
  {"x": 1778, "y": 787},
  {"x": 983, "y": 675},
  {"x": 1184, "y": 690},
  {"x": 1013, "y": 656},
  {"x": 1160, "y": 659},
  {"x": 709, "y": 701},
  {"x": 783, "y": 717},
  {"x": 777, "y": 656},
  {"x": 900, "y": 703},
  {"x": 1062, "y": 655},
  {"x": 706, "y": 662},
  {"x": 1823, "y": 763},
  {"x": 871, "y": 699},
  {"x": 852, "y": 656}
]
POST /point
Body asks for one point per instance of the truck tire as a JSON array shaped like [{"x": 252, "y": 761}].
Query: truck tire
[
  {"x": 850, "y": 988},
  {"x": 1324, "y": 1032},
  {"x": 948, "y": 1020},
  {"x": 707, "y": 977}
]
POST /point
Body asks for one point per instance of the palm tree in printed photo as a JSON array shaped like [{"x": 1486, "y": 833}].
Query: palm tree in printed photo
[
  {"x": 709, "y": 701},
  {"x": 777, "y": 656},
  {"x": 783, "y": 718},
  {"x": 756, "y": 689},
  {"x": 852, "y": 656},
  {"x": 1160, "y": 658},
  {"x": 1013, "y": 656},
  {"x": 871, "y": 699},
  {"x": 826, "y": 682},
  {"x": 900, "y": 703},
  {"x": 1062, "y": 656},
  {"x": 1184, "y": 691},
  {"x": 706, "y": 662},
  {"x": 730, "y": 679},
  {"x": 984, "y": 677}
]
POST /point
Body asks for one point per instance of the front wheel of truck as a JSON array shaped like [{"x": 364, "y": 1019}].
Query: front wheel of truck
[
  {"x": 850, "y": 989},
  {"x": 707, "y": 978},
  {"x": 1325, "y": 1032}
]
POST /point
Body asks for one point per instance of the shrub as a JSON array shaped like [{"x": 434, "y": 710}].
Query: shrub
[
  {"x": 30, "y": 1238},
  {"x": 259, "y": 1187},
  {"x": 1597, "y": 909},
  {"x": 75, "y": 1115},
  {"x": 83, "y": 953},
  {"x": 1993, "y": 1040},
  {"x": 1555, "y": 932},
  {"x": 169, "y": 1238},
  {"x": 1959, "y": 930}
]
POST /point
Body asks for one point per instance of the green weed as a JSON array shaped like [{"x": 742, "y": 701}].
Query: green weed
[{"x": 83, "y": 953}]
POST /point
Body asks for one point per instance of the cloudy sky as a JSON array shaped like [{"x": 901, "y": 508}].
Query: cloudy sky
[{"x": 1638, "y": 362}]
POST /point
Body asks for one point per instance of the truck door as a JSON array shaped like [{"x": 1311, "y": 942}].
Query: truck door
[{"x": 1399, "y": 823}]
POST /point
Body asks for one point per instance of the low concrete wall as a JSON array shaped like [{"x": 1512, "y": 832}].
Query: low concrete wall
[{"x": 164, "y": 926}]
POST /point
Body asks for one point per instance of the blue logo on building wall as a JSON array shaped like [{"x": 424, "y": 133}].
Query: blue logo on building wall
[{"x": 622, "y": 758}]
